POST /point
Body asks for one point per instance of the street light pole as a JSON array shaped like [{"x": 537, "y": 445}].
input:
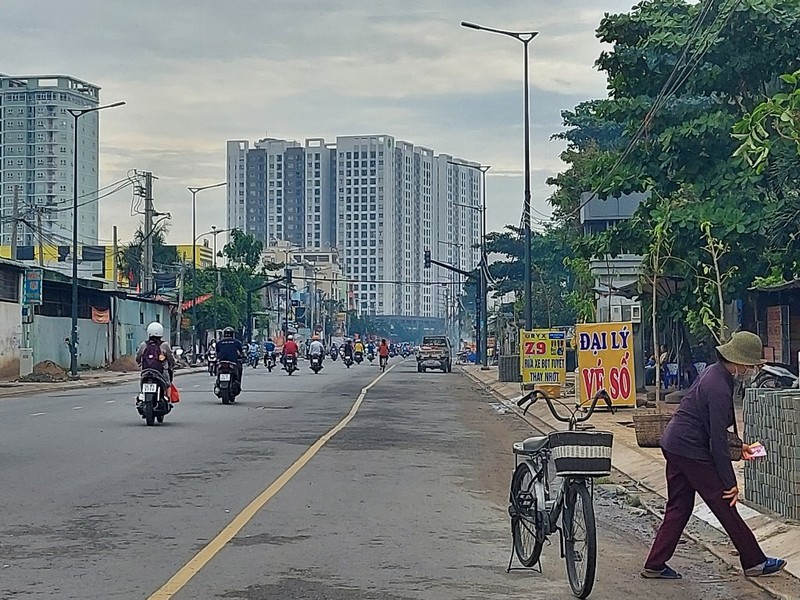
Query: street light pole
[
  {"x": 194, "y": 191},
  {"x": 482, "y": 325},
  {"x": 525, "y": 37},
  {"x": 73, "y": 345}
]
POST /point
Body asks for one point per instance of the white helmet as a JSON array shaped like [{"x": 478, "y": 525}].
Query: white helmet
[
  {"x": 290, "y": 337},
  {"x": 155, "y": 329}
]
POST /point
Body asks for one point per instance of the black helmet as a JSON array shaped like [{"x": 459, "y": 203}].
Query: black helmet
[{"x": 228, "y": 332}]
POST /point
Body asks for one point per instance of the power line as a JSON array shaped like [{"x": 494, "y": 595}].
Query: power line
[{"x": 670, "y": 87}]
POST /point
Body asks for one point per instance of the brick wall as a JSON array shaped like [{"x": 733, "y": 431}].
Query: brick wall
[{"x": 773, "y": 482}]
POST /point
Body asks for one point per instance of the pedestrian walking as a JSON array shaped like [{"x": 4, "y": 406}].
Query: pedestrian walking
[{"x": 697, "y": 449}]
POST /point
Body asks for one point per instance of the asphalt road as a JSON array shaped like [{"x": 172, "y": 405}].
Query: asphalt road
[{"x": 407, "y": 501}]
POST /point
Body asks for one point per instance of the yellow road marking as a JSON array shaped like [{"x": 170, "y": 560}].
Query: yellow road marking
[{"x": 193, "y": 567}]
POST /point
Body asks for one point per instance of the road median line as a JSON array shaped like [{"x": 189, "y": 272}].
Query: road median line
[{"x": 210, "y": 550}]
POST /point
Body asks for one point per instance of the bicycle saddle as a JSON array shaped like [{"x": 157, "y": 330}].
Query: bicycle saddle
[{"x": 531, "y": 446}]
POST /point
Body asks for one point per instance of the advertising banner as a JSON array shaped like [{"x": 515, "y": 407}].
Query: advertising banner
[
  {"x": 605, "y": 361},
  {"x": 32, "y": 290},
  {"x": 542, "y": 359}
]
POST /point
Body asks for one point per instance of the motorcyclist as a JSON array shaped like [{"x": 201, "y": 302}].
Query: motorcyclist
[
  {"x": 269, "y": 349},
  {"x": 155, "y": 354},
  {"x": 383, "y": 352},
  {"x": 371, "y": 349},
  {"x": 347, "y": 350},
  {"x": 290, "y": 348},
  {"x": 252, "y": 352},
  {"x": 316, "y": 348},
  {"x": 229, "y": 349},
  {"x": 359, "y": 346}
]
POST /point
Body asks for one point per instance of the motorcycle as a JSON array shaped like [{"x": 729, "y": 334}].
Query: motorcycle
[
  {"x": 776, "y": 376},
  {"x": 405, "y": 353},
  {"x": 153, "y": 403},
  {"x": 269, "y": 361},
  {"x": 316, "y": 363},
  {"x": 290, "y": 363},
  {"x": 371, "y": 357},
  {"x": 211, "y": 359},
  {"x": 334, "y": 354},
  {"x": 252, "y": 359},
  {"x": 228, "y": 385},
  {"x": 348, "y": 360},
  {"x": 359, "y": 357}
]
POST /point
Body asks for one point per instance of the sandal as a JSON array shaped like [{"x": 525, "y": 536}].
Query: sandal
[{"x": 768, "y": 567}]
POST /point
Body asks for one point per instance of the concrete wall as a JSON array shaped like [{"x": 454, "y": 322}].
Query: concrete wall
[
  {"x": 773, "y": 482},
  {"x": 94, "y": 342},
  {"x": 132, "y": 318},
  {"x": 10, "y": 329},
  {"x": 48, "y": 335}
]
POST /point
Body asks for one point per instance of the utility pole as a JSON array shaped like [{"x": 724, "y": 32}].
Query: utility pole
[
  {"x": 41, "y": 234},
  {"x": 14, "y": 223},
  {"x": 180, "y": 300},
  {"x": 288, "y": 301},
  {"x": 115, "y": 257},
  {"x": 149, "y": 212}
]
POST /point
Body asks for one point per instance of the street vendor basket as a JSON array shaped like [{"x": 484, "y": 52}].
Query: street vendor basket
[
  {"x": 649, "y": 427},
  {"x": 582, "y": 453}
]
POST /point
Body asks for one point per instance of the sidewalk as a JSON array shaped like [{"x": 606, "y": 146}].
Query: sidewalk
[
  {"x": 88, "y": 379},
  {"x": 645, "y": 466}
]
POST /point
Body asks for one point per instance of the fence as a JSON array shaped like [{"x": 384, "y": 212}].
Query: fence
[{"x": 773, "y": 482}]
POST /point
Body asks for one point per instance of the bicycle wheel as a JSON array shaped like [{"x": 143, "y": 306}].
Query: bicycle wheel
[
  {"x": 528, "y": 542},
  {"x": 580, "y": 538}
]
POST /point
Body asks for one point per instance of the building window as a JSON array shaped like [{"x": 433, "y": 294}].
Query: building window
[{"x": 9, "y": 285}]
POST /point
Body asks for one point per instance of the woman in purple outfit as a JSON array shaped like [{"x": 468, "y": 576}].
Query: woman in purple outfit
[{"x": 695, "y": 445}]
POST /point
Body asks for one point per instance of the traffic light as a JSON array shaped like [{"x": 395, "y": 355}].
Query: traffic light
[{"x": 427, "y": 259}]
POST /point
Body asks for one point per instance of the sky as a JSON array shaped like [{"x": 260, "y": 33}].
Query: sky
[{"x": 196, "y": 73}]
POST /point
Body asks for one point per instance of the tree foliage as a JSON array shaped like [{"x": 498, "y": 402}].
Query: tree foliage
[
  {"x": 552, "y": 281},
  {"x": 679, "y": 147}
]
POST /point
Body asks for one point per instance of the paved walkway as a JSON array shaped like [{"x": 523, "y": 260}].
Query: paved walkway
[{"x": 645, "y": 466}]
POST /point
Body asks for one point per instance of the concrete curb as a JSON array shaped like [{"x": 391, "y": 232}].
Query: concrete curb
[{"x": 544, "y": 427}]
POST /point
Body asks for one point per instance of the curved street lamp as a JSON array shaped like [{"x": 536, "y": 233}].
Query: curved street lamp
[{"x": 525, "y": 37}]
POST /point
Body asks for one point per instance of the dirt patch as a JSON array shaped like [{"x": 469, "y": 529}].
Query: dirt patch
[
  {"x": 124, "y": 364},
  {"x": 46, "y": 371}
]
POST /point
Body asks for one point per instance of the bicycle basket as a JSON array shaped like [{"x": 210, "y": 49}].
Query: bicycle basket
[{"x": 585, "y": 453}]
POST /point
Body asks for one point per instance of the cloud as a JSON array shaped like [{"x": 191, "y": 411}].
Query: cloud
[{"x": 195, "y": 73}]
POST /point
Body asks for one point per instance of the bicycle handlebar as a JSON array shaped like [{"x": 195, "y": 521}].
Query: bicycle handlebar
[{"x": 531, "y": 397}]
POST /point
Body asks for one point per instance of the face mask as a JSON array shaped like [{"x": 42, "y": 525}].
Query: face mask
[{"x": 743, "y": 376}]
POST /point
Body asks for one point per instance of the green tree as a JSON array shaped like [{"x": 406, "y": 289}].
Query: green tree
[
  {"x": 717, "y": 60},
  {"x": 130, "y": 260},
  {"x": 551, "y": 279},
  {"x": 243, "y": 250}
]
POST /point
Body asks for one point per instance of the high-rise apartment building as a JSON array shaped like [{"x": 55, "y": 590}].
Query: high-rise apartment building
[
  {"x": 37, "y": 157},
  {"x": 379, "y": 201}
]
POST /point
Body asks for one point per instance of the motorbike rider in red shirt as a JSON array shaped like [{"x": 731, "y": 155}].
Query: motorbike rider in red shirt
[{"x": 290, "y": 347}]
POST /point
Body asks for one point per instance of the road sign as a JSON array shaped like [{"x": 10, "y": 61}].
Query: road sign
[
  {"x": 542, "y": 357},
  {"x": 605, "y": 361}
]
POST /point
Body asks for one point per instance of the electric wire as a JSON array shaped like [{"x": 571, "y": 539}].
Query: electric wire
[{"x": 679, "y": 75}]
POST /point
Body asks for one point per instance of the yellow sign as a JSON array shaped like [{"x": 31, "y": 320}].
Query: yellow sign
[
  {"x": 605, "y": 361},
  {"x": 542, "y": 359}
]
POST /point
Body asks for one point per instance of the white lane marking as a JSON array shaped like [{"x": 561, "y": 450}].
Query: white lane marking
[
  {"x": 110, "y": 401},
  {"x": 37, "y": 414},
  {"x": 77, "y": 407}
]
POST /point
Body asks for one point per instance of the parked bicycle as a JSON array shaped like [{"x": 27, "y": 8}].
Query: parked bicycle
[{"x": 579, "y": 456}]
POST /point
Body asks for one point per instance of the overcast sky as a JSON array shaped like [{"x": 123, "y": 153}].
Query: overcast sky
[{"x": 196, "y": 73}]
